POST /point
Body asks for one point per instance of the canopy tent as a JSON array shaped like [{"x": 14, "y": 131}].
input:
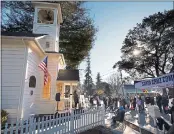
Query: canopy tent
[{"x": 165, "y": 81}]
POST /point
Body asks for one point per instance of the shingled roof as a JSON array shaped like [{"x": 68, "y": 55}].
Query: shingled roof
[
  {"x": 68, "y": 75},
  {"x": 22, "y": 34}
]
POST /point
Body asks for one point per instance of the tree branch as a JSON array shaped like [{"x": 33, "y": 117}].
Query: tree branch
[
  {"x": 165, "y": 59},
  {"x": 145, "y": 72}
]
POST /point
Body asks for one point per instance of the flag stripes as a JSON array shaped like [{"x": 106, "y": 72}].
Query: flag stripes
[{"x": 43, "y": 66}]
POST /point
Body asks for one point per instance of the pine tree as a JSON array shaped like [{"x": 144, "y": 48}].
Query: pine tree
[
  {"x": 88, "y": 77},
  {"x": 98, "y": 82}
]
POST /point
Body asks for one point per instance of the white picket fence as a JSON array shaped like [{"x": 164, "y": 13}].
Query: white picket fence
[{"x": 69, "y": 123}]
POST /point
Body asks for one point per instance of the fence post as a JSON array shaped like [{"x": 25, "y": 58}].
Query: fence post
[
  {"x": 30, "y": 125},
  {"x": 72, "y": 122},
  {"x": 6, "y": 128},
  {"x": 22, "y": 126},
  {"x": 38, "y": 125},
  {"x": 11, "y": 129}
]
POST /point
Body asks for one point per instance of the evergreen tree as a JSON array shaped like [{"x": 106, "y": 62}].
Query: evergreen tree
[
  {"x": 98, "y": 82},
  {"x": 107, "y": 88},
  {"x": 88, "y": 83},
  {"x": 77, "y": 32}
]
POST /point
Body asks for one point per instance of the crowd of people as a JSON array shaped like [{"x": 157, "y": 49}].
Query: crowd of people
[
  {"x": 137, "y": 102},
  {"x": 164, "y": 102},
  {"x": 109, "y": 102}
]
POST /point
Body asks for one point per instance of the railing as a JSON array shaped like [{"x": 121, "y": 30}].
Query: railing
[{"x": 74, "y": 122}]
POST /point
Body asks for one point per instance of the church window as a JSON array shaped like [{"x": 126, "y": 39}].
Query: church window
[
  {"x": 67, "y": 91},
  {"x": 32, "y": 82},
  {"x": 47, "y": 89},
  {"x": 45, "y": 16}
]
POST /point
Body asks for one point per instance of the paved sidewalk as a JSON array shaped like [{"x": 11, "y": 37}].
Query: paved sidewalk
[
  {"x": 108, "y": 122},
  {"x": 146, "y": 121},
  {"x": 128, "y": 130}
]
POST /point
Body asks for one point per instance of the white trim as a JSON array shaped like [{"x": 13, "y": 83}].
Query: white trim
[
  {"x": 66, "y": 82},
  {"x": 38, "y": 45},
  {"x": 59, "y": 14},
  {"x": 48, "y": 5},
  {"x": 27, "y": 38},
  {"x": 42, "y": 8},
  {"x": 59, "y": 54},
  {"x": 22, "y": 82},
  {"x": 17, "y": 37}
]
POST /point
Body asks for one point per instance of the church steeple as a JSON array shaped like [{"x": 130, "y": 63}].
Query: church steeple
[{"x": 47, "y": 19}]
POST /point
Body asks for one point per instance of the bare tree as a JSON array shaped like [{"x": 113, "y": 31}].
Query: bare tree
[{"x": 115, "y": 82}]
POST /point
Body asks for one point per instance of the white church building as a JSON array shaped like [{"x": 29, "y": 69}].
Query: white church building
[{"x": 22, "y": 79}]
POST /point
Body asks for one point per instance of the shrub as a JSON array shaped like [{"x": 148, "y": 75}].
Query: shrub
[{"x": 4, "y": 116}]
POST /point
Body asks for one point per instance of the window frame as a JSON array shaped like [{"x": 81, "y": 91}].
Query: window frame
[
  {"x": 32, "y": 85},
  {"x": 65, "y": 90},
  {"x": 54, "y": 19}
]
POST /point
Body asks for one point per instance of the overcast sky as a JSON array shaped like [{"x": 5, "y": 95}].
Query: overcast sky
[{"x": 113, "y": 20}]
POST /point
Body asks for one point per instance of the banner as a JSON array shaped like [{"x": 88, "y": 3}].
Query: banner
[{"x": 164, "y": 81}]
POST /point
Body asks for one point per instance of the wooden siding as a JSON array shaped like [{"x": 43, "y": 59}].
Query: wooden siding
[
  {"x": 35, "y": 104},
  {"x": 32, "y": 69},
  {"x": 48, "y": 106},
  {"x": 13, "y": 56}
]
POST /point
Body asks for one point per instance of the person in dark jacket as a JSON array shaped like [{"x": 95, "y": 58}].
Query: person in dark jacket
[
  {"x": 105, "y": 102},
  {"x": 147, "y": 100},
  {"x": 134, "y": 103},
  {"x": 165, "y": 103},
  {"x": 158, "y": 101},
  {"x": 91, "y": 101},
  {"x": 123, "y": 102},
  {"x": 76, "y": 98},
  {"x": 98, "y": 101},
  {"x": 120, "y": 113},
  {"x": 109, "y": 102},
  {"x": 116, "y": 102},
  {"x": 152, "y": 100}
]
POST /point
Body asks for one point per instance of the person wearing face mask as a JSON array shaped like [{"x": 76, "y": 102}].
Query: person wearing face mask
[{"x": 165, "y": 103}]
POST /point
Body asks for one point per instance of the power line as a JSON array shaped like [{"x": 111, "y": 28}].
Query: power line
[{"x": 112, "y": 72}]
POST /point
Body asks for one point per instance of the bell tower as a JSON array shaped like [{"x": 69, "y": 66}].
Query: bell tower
[{"x": 47, "y": 19}]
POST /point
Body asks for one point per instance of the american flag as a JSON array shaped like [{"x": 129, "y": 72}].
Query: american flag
[{"x": 43, "y": 66}]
